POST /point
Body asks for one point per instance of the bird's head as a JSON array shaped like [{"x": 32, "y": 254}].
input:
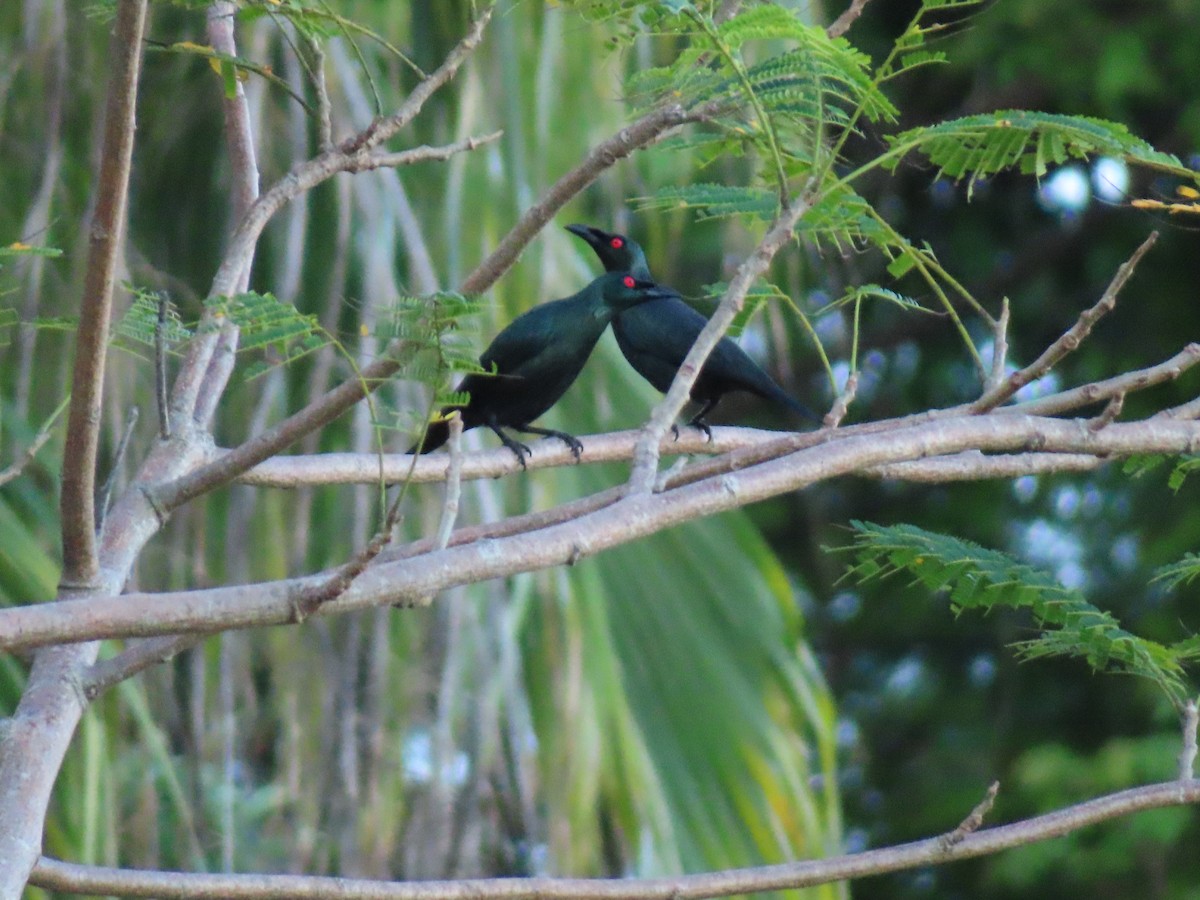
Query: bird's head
[
  {"x": 617, "y": 253},
  {"x": 621, "y": 290}
]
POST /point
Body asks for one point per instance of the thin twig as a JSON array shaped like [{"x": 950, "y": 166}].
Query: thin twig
[
  {"x": 420, "y": 154},
  {"x": 1070, "y": 340},
  {"x": 1064, "y": 401},
  {"x": 1187, "y": 756},
  {"x": 645, "y": 131},
  {"x": 999, "y": 346},
  {"x": 137, "y": 657},
  {"x": 453, "y": 484},
  {"x": 160, "y": 369},
  {"x": 80, "y": 565},
  {"x": 971, "y": 823},
  {"x": 843, "y": 22},
  {"x": 841, "y": 405},
  {"x": 39, "y": 440},
  {"x": 53, "y": 874},
  {"x": 106, "y": 492},
  {"x": 316, "y": 73},
  {"x": 1111, "y": 410},
  {"x": 453, "y": 493}
]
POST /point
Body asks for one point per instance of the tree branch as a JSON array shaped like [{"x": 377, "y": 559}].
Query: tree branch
[
  {"x": 350, "y": 152},
  {"x": 645, "y": 131},
  {"x": 80, "y": 565},
  {"x": 14, "y": 470},
  {"x": 632, "y": 517},
  {"x": 645, "y": 457},
  {"x": 421, "y": 154},
  {"x": 1065, "y": 401},
  {"x": 1071, "y": 339},
  {"x": 843, "y": 22},
  {"x": 55, "y": 875}
]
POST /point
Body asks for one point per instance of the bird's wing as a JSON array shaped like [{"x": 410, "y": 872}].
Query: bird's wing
[{"x": 522, "y": 341}]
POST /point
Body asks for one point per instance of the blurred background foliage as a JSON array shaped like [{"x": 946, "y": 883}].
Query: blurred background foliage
[{"x": 712, "y": 696}]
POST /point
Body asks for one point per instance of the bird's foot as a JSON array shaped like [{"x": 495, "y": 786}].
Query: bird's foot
[
  {"x": 521, "y": 450},
  {"x": 675, "y": 432},
  {"x": 703, "y": 426},
  {"x": 571, "y": 441}
]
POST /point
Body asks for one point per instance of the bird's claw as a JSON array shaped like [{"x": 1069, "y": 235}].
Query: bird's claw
[
  {"x": 675, "y": 432},
  {"x": 703, "y": 426},
  {"x": 574, "y": 443},
  {"x": 521, "y": 452}
]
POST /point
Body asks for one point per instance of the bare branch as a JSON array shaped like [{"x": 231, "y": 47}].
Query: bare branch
[
  {"x": 1184, "y": 412},
  {"x": 139, "y": 656},
  {"x": 55, "y": 875},
  {"x": 971, "y": 823},
  {"x": 160, "y": 369},
  {"x": 645, "y": 131},
  {"x": 1110, "y": 387},
  {"x": 999, "y": 346},
  {"x": 1111, "y": 410},
  {"x": 843, "y": 22},
  {"x": 645, "y": 457},
  {"x": 834, "y": 417},
  {"x": 80, "y": 565},
  {"x": 976, "y": 466},
  {"x": 118, "y": 457},
  {"x": 1187, "y": 756},
  {"x": 365, "y": 468},
  {"x": 1070, "y": 340},
  {"x": 420, "y": 154},
  {"x": 453, "y": 492},
  {"x": 18, "y": 466},
  {"x": 304, "y": 177},
  {"x": 630, "y": 518}
]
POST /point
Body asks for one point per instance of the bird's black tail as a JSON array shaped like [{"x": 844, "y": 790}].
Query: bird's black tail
[
  {"x": 777, "y": 394},
  {"x": 436, "y": 435}
]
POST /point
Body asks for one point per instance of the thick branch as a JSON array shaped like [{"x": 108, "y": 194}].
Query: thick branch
[
  {"x": 368, "y": 468},
  {"x": 80, "y": 566},
  {"x": 632, "y": 517},
  {"x": 54, "y": 875}
]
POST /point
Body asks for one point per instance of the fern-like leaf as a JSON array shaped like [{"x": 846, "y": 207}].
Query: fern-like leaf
[
  {"x": 978, "y": 146},
  {"x": 713, "y": 201},
  {"x": 978, "y": 578}
]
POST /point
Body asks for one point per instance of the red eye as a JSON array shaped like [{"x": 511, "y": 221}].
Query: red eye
[
  {"x": 617, "y": 243},
  {"x": 629, "y": 282}
]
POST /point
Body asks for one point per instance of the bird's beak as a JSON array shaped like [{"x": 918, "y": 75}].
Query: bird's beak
[
  {"x": 594, "y": 236},
  {"x": 658, "y": 292}
]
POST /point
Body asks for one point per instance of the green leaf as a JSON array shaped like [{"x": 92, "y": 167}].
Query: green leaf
[
  {"x": 714, "y": 201},
  {"x": 984, "y": 579},
  {"x": 975, "y": 147}
]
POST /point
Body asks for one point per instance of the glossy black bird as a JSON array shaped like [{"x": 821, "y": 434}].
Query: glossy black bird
[
  {"x": 656, "y": 336},
  {"x": 537, "y": 357}
]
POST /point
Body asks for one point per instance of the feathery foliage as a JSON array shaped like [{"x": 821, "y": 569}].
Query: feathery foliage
[{"x": 978, "y": 578}]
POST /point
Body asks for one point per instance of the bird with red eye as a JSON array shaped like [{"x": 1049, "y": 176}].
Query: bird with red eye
[
  {"x": 530, "y": 364},
  {"x": 656, "y": 337}
]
